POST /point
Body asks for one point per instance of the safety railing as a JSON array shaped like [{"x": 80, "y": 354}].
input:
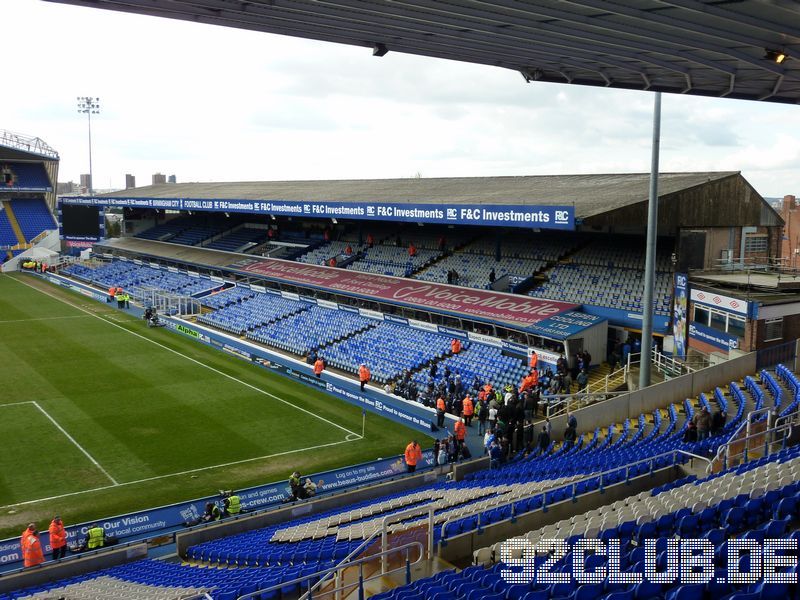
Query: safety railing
[
  {"x": 773, "y": 438},
  {"x": 383, "y": 531},
  {"x": 559, "y": 404},
  {"x": 337, "y": 591},
  {"x": 573, "y": 486}
]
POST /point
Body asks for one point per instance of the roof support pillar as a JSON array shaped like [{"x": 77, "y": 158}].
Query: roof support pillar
[{"x": 650, "y": 256}]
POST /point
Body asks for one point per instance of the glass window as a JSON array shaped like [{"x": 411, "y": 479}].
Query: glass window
[
  {"x": 773, "y": 329},
  {"x": 719, "y": 320},
  {"x": 701, "y": 315},
  {"x": 755, "y": 243},
  {"x": 736, "y": 326}
]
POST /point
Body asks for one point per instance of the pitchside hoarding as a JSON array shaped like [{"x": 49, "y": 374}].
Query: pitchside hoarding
[{"x": 499, "y": 215}]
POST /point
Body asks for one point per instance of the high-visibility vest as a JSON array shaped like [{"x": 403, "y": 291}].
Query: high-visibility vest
[
  {"x": 534, "y": 360},
  {"x": 363, "y": 373},
  {"x": 31, "y": 550},
  {"x": 413, "y": 454},
  {"x": 318, "y": 366},
  {"x": 58, "y": 535},
  {"x": 234, "y": 505},
  {"x": 468, "y": 407},
  {"x": 461, "y": 430},
  {"x": 96, "y": 538}
]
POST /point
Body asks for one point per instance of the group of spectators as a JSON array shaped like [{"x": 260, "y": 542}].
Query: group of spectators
[{"x": 703, "y": 425}]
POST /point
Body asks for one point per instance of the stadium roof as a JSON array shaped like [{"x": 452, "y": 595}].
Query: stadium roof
[
  {"x": 18, "y": 146},
  {"x": 590, "y": 194},
  {"x": 725, "y": 48}
]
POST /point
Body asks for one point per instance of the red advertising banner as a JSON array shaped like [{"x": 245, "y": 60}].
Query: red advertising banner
[{"x": 484, "y": 304}]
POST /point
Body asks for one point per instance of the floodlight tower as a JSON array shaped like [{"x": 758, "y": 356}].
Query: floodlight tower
[{"x": 89, "y": 106}]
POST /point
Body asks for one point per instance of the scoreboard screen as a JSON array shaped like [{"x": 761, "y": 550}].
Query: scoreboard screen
[{"x": 80, "y": 221}]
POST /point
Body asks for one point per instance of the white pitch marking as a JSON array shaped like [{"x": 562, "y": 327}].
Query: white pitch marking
[
  {"x": 189, "y": 358},
  {"x": 77, "y": 445},
  {"x": 147, "y": 479},
  {"x": 44, "y": 319}
]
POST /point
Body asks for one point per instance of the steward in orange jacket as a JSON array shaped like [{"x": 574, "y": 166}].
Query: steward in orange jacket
[
  {"x": 455, "y": 346},
  {"x": 31, "y": 547},
  {"x": 58, "y": 538},
  {"x": 413, "y": 455},
  {"x": 441, "y": 410},
  {"x": 534, "y": 360},
  {"x": 461, "y": 431},
  {"x": 319, "y": 367},
  {"x": 468, "y": 409},
  {"x": 364, "y": 375},
  {"x": 530, "y": 381}
]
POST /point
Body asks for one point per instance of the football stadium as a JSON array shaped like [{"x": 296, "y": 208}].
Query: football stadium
[{"x": 557, "y": 387}]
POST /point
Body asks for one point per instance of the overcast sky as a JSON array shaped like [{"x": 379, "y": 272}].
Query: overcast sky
[{"x": 214, "y": 104}]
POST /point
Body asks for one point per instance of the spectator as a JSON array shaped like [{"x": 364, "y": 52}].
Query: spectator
[
  {"x": 570, "y": 435},
  {"x": 364, "y": 375},
  {"x": 370, "y": 240},
  {"x": 348, "y": 250},
  {"x": 437, "y": 447},
  {"x": 492, "y": 417},
  {"x": 495, "y": 455},
  {"x": 332, "y": 261},
  {"x": 702, "y": 420},
  {"x": 544, "y": 439},
  {"x": 413, "y": 455},
  {"x": 718, "y": 421},
  {"x": 690, "y": 435},
  {"x": 548, "y": 426},
  {"x": 583, "y": 380},
  {"x": 412, "y": 250},
  {"x": 96, "y": 536},
  {"x": 528, "y": 435},
  {"x": 483, "y": 415},
  {"x": 58, "y": 538},
  {"x": 492, "y": 276},
  {"x": 572, "y": 421},
  {"x": 32, "y": 554}
]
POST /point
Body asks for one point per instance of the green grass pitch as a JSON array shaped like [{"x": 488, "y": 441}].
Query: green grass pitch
[{"x": 100, "y": 415}]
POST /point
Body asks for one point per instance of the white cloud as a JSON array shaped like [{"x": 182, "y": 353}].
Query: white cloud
[{"x": 210, "y": 103}]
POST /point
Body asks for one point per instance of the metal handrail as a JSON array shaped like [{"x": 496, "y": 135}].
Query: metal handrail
[
  {"x": 723, "y": 452},
  {"x": 783, "y": 424},
  {"x": 575, "y": 401},
  {"x": 326, "y": 572},
  {"x": 384, "y": 539},
  {"x": 575, "y": 483}
]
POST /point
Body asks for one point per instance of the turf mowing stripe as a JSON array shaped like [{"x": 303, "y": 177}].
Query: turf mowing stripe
[
  {"x": 77, "y": 445},
  {"x": 147, "y": 479},
  {"x": 189, "y": 358}
]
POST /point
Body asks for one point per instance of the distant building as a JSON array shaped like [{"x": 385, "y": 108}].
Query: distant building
[
  {"x": 86, "y": 182},
  {"x": 172, "y": 179},
  {"x": 159, "y": 178},
  {"x": 790, "y": 244},
  {"x": 65, "y": 187},
  {"x": 130, "y": 181}
]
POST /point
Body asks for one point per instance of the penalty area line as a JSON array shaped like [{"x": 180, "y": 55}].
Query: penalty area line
[
  {"x": 189, "y": 358},
  {"x": 188, "y": 472}
]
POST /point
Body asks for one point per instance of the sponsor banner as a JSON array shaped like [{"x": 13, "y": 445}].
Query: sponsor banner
[
  {"x": 157, "y": 521},
  {"x": 290, "y": 295},
  {"x": 423, "y": 325},
  {"x": 566, "y": 325},
  {"x": 551, "y": 358},
  {"x": 172, "y": 269},
  {"x": 719, "y": 339},
  {"x": 483, "y": 304},
  {"x": 680, "y": 307},
  {"x": 484, "y": 339},
  {"x": 79, "y": 244},
  {"x": 393, "y": 319},
  {"x": 502, "y": 215},
  {"x": 720, "y": 301},
  {"x": 453, "y": 332},
  {"x": 216, "y": 278},
  {"x": 328, "y": 304},
  {"x": 372, "y": 314}
]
